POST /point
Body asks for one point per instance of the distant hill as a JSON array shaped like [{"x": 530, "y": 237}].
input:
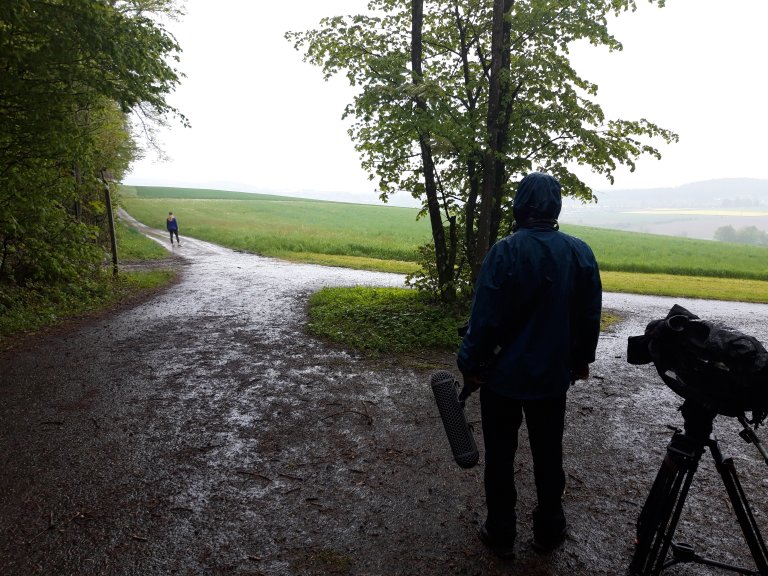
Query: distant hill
[
  {"x": 724, "y": 193},
  {"x": 737, "y": 202}
]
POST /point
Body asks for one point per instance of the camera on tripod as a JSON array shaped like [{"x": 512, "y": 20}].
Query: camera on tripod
[
  {"x": 717, "y": 370},
  {"x": 721, "y": 369}
]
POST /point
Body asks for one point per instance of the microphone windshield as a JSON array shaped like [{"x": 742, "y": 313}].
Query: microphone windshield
[{"x": 445, "y": 388}]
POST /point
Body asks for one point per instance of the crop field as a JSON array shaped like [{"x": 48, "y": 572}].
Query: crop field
[{"x": 357, "y": 235}]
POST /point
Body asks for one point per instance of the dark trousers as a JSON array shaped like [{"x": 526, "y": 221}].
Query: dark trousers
[
  {"x": 545, "y": 420},
  {"x": 176, "y": 232}
]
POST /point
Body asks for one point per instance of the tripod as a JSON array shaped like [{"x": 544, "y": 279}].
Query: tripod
[{"x": 661, "y": 511}]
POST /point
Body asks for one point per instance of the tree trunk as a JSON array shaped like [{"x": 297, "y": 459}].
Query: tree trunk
[
  {"x": 474, "y": 160},
  {"x": 470, "y": 209},
  {"x": 507, "y": 97},
  {"x": 494, "y": 123},
  {"x": 443, "y": 263}
]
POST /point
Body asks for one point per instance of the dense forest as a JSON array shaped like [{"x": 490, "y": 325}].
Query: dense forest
[{"x": 82, "y": 84}]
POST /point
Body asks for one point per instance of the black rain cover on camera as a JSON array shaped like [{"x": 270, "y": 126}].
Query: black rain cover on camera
[{"x": 718, "y": 367}]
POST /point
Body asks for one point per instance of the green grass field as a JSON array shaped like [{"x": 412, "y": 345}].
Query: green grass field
[
  {"x": 280, "y": 226},
  {"x": 385, "y": 238},
  {"x": 655, "y": 254}
]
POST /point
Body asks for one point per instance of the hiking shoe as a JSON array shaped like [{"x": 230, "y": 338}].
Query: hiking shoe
[
  {"x": 544, "y": 544},
  {"x": 503, "y": 548},
  {"x": 549, "y": 529}
]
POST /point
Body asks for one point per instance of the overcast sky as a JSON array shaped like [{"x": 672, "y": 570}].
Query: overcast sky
[{"x": 262, "y": 119}]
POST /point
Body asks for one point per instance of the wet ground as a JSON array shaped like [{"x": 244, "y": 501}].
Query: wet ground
[{"x": 204, "y": 432}]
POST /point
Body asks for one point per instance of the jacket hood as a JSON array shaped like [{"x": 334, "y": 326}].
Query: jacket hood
[{"x": 537, "y": 198}]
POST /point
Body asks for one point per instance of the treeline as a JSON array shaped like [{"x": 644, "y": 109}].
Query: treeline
[
  {"x": 748, "y": 235},
  {"x": 75, "y": 76}
]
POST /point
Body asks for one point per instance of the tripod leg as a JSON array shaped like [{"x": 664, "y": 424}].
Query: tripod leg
[
  {"x": 658, "y": 519},
  {"x": 738, "y": 499}
]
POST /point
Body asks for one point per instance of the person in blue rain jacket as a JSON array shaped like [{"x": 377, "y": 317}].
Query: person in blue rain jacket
[
  {"x": 533, "y": 330},
  {"x": 173, "y": 227}
]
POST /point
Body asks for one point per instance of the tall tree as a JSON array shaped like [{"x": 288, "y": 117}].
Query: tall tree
[
  {"x": 444, "y": 260},
  {"x": 495, "y": 97}
]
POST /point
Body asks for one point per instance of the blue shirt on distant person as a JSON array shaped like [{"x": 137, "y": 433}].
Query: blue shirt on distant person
[{"x": 173, "y": 227}]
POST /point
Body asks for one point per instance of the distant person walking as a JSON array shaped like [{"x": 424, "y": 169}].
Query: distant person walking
[{"x": 173, "y": 227}]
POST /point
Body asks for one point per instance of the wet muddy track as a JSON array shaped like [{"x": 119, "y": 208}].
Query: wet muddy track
[{"x": 204, "y": 432}]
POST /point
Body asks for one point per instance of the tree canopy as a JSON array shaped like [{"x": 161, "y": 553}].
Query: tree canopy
[
  {"x": 458, "y": 99},
  {"x": 72, "y": 72}
]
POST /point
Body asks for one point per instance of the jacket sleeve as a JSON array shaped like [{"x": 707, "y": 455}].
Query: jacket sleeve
[
  {"x": 484, "y": 322},
  {"x": 587, "y": 309}
]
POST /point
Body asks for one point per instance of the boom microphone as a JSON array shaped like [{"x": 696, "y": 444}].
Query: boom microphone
[{"x": 445, "y": 387}]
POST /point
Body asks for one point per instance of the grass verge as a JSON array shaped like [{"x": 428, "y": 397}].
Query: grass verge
[
  {"x": 354, "y": 262},
  {"x": 29, "y": 309},
  {"x": 133, "y": 246},
  {"x": 729, "y": 289}
]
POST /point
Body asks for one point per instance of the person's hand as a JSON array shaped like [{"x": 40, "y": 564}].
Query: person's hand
[
  {"x": 580, "y": 372},
  {"x": 472, "y": 382}
]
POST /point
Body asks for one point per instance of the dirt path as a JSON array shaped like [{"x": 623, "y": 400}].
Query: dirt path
[{"x": 203, "y": 432}]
